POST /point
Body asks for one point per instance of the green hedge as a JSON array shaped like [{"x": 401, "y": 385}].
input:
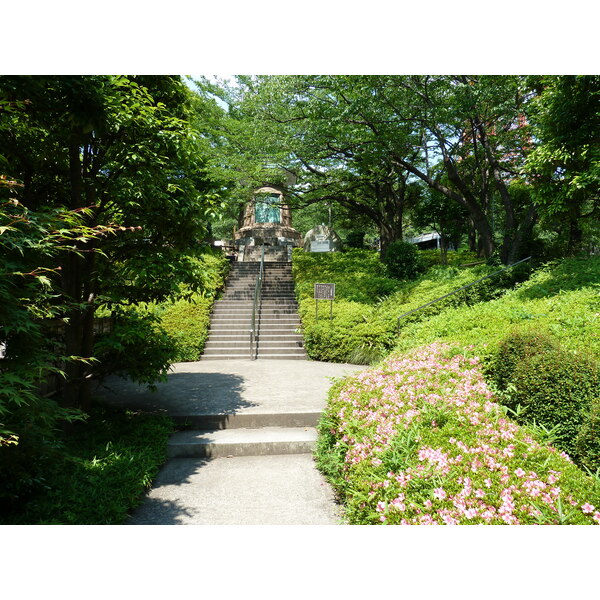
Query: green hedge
[
  {"x": 545, "y": 384},
  {"x": 186, "y": 322}
]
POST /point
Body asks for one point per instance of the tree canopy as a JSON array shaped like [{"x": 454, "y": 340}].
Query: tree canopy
[{"x": 374, "y": 144}]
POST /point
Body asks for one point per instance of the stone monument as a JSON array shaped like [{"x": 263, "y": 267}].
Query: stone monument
[
  {"x": 266, "y": 220},
  {"x": 322, "y": 239}
]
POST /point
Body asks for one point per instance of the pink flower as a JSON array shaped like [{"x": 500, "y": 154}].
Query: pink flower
[
  {"x": 519, "y": 472},
  {"x": 449, "y": 520},
  {"x": 587, "y": 508},
  {"x": 439, "y": 493}
]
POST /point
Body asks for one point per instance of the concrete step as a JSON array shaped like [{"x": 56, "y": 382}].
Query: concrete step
[
  {"x": 229, "y": 356},
  {"x": 262, "y": 344},
  {"x": 266, "y": 350},
  {"x": 240, "y": 338},
  {"x": 247, "y": 420},
  {"x": 282, "y": 302},
  {"x": 229, "y": 311},
  {"x": 246, "y": 356},
  {"x": 248, "y": 303},
  {"x": 221, "y": 322},
  {"x": 242, "y": 442},
  {"x": 224, "y": 328},
  {"x": 282, "y": 356},
  {"x": 279, "y": 327},
  {"x": 244, "y": 337},
  {"x": 269, "y": 319},
  {"x": 291, "y": 344}
]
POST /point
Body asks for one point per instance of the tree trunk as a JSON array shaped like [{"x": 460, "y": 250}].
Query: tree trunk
[
  {"x": 464, "y": 197},
  {"x": 472, "y": 237},
  {"x": 79, "y": 287}
]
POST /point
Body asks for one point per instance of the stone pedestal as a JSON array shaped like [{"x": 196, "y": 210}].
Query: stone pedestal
[{"x": 267, "y": 221}]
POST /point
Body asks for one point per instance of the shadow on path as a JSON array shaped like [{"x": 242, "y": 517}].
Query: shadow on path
[
  {"x": 158, "y": 510},
  {"x": 183, "y": 394}
]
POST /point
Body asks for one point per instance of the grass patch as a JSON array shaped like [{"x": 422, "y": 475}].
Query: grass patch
[
  {"x": 562, "y": 298},
  {"x": 98, "y": 470}
]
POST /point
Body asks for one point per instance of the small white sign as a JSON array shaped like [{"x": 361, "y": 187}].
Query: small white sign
[{"x": 320, "y": 246}]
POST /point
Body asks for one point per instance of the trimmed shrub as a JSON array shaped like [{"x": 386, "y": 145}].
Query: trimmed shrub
[
  {"x": 402, "y": 260},
  {"x": 545, "y": 384},
  {"x": 187, "y": 323},
  {"x": 355, "y": 239},
  {"x": 587, "y": 443},
  {"x": 354, "y": 336}
]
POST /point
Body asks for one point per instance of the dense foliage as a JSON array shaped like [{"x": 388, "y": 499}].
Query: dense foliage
[
  {"x": 105, "y": 199},
  {"x": 97, "y": 472},
  {"x": 368, "y": 303},
  {"x": 496, "y": 161},
  {"x": 121, "y": 153}
]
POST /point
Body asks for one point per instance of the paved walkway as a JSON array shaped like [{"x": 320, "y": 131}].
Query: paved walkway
[{"x": 273, "y": 489}]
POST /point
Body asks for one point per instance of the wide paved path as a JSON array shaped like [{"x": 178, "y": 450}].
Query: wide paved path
[{"x": 264, "y": 490}]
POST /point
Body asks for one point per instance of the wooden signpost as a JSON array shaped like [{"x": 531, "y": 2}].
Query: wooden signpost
[{"x": 324, "y": 291}]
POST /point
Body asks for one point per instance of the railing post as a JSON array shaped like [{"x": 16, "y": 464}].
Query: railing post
[{"x": 256, "y": 301}]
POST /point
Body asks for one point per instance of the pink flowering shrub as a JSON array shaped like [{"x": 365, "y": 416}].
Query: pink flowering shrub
[{"x": 420, "y": 440}]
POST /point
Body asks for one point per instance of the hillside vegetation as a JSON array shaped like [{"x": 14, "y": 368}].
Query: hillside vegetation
[
  {"x": 486, "y": 408},
  {"x": 364, "y": 327}
]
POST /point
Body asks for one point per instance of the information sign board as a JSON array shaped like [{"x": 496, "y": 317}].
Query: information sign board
[{"x": 324, "y": 291}]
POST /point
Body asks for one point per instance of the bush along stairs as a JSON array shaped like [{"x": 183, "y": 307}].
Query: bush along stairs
[{"x": 278, "y": 320}]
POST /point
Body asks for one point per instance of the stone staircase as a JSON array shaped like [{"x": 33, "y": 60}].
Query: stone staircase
[{"x": 277, "y": 319}]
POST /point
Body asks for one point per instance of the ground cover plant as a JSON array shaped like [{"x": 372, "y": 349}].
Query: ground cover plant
[
  {"x": 562, "y": 297},
  {"x": 97, "y": 471},
  {"x": 364, "y": 327},
  {"x": 420, "y": 439}
]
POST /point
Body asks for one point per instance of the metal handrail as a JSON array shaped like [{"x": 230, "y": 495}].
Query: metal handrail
[
  {"x": 256, "y": 302},
  {"x": 464, "y": 287}
]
